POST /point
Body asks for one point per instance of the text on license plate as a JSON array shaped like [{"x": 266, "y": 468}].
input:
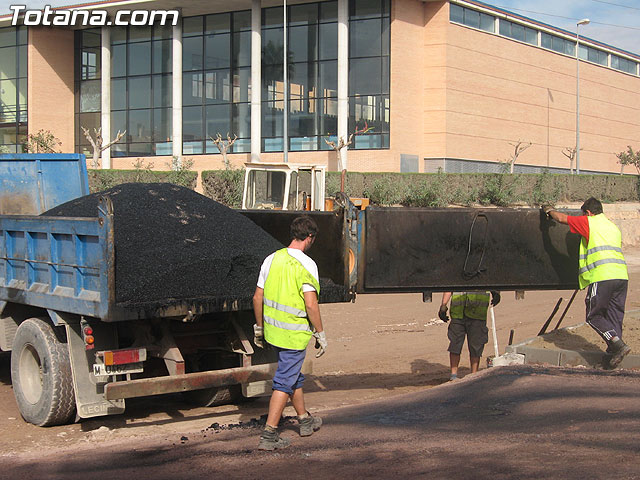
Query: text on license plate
[{"x": 99, "y": 369}]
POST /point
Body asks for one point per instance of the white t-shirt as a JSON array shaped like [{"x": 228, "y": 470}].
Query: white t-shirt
[{"x": 299, "y": 255}]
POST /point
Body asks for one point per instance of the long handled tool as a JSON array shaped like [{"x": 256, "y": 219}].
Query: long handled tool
[{"x": 493, "y": 331}]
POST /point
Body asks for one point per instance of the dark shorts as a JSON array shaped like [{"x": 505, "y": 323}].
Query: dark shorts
[
  {"x": 289, "y": 375},
  {"x": 475, "y": 331}
]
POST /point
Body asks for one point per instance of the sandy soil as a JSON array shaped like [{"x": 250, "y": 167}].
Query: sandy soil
[{"x": 380, "y": 347}]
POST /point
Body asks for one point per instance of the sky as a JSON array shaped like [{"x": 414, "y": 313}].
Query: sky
[{"x": 614, "y": 22}]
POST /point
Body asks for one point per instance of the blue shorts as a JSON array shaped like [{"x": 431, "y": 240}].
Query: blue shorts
[{"x": 289, "y": 375}]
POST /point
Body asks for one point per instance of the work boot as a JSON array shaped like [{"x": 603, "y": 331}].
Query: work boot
[
  {"x": 619, "y": 350},
  {"x": 309, "y": 424},
  {"x": 270, "y": 440}
]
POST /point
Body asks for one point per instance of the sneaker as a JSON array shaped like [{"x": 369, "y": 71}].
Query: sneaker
[
  {"x": 619, "y": 351},
  {"x": 270, "y": 440},
  {"x": 309, "y": 424},
  {"x": 453, "y": 377}
]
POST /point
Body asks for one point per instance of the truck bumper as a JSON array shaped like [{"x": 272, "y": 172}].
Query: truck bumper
[{"x": 189, "y": 381}]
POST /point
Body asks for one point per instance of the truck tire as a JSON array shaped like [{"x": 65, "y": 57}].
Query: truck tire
[
  {"x": 215, "y": 396},
  {"x": 41, "y": 374}
]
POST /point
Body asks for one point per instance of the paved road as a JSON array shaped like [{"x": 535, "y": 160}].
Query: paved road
[{"x": 508, "y": 423}]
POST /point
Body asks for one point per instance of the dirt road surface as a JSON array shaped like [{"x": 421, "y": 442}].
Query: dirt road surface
[{"x": 374, "y": 388}]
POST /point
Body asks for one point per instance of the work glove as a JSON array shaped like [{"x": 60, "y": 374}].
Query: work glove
[
  {"x": 442, "y": 313},
  {"x": 547, "y": 209},
  {"x": 495, "y": 298},
  {"x": 321, "y": 343},
  {"x": 258, "y": 336}
]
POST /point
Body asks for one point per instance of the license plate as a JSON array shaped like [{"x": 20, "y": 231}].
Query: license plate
[{"x": 100, "y": 369}]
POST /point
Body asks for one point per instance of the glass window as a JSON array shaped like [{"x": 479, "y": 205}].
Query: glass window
[
  {"x": 192, "y": 53},
  {"x": 624, "y": 64},
  {"x": 242, "y": 85},
  {"x": 162, "y": 60},
  {"x": 242, "y": 21},
  {"x": 88, "y": 121},
  {"x": 8, "y": 62},
  {"x": 518, "y": 32},
  {"x": 191, "y": 26},
  {"x": 118, "y": 35},
  {"x": 192, "y": 125},
  {"x": 272, "y": 17},
  {"x": 8, "y": 37},
  {"x": 242, "y": 49},
  {"x": 139, "y": 34},
  {"x": 241, "y": 125},
  {"x": 329, "y": 12},
  {"x": 139, "y": 92},
  {"x": 217, "y": 51},
  {"x": 139, "y": 58},
  {"x": 119, "y": 94},
  {"x": 487, "y": 23},
  {"x": 119, "y": 122},
  {"x": 456, "y": 13},
  {"x": 219, "y": 23},
  {"x": 162, "y": 118},
  {"x": 90, "y": 99},
  {"x": 162, "y": 32},
  {"x": 218, "y": 119},
  {"x": 365, "y": 38},
  {"x": 139, "y": 125},
  {"x": 303, "y": 14},
  {"x": 162, "y": 88},
  {"x": 328, "y": 79},
  {"x": 118, "y": 60},
  {"x": 365, "y": 76},
  {"x": 366, "y": 9},
  {"x": 328, "y": 44},
  {"x": 272, "y": 46},
  {"x": 303, "y": 43}
]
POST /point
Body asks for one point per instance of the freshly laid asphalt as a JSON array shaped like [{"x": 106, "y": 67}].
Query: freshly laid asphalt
[{"x": 520, "y": 422}]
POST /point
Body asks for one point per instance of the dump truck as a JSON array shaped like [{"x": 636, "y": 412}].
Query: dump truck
[{"x": 78, "y": 349}]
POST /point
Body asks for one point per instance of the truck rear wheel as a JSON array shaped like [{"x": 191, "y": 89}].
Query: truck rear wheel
[
  {"x": 41, "y": 374},
  {"x": 215, "y": 396}
]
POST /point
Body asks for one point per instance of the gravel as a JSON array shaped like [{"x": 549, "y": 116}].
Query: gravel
[{"x": 174, "y": 245}]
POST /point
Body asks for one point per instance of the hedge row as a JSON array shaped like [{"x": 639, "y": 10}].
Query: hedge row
[
  {"x": 104, "y": 179},
  {"x": 413, "y": 190}
]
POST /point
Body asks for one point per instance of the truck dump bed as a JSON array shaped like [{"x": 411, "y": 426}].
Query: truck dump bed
[{"x": 167, "y": 252}]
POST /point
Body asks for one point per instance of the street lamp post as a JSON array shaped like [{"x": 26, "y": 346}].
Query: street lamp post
[{"x": 584, "y": 21}]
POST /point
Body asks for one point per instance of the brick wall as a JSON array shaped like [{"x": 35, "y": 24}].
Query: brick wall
[{"x": 50, "y": 83}]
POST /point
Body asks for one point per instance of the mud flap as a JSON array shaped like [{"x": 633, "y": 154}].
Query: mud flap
[{"x": 89, "y": 391}]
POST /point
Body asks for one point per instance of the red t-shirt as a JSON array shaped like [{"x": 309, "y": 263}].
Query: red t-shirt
[{"x": 579, "y": 225}]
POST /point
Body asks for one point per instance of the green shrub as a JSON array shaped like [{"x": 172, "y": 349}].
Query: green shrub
[
  {"x": 224, "y": 186},
  {"x": 100, "y": 180}
]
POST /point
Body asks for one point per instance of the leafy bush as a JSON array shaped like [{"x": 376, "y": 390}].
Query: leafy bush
[{"x": 224, "y": 186}]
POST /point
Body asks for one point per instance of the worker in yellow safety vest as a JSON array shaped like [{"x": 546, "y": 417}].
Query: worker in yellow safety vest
[
  {"x": 603, "y": 270},
  {"x": 287, "y": 314},
  {"x": 468, "y": 319}
]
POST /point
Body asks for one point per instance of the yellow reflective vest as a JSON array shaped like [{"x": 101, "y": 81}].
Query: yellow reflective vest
[
  {"x": 601, "y": 258},
  {"x": 470, "y": 305},
  {"x": 284, "y": 312}
]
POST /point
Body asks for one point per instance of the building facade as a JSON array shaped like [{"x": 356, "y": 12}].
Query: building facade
[{"x": 452, "y": 85}]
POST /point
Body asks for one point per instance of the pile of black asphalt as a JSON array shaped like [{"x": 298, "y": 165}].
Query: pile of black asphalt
[{"x": 173, "y": 244}]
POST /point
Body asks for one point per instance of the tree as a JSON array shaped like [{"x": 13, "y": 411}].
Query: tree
[
  {"x": 42, "y": 142},
  {"x": 96, "y": 143},
  {"x": 629, "y": 157},
  {"x": 223, "y": 147},
  {"x": 337, "y": 147},
  {"x": 518, "y": 147},
  {"x": 570, "y": 153}
]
